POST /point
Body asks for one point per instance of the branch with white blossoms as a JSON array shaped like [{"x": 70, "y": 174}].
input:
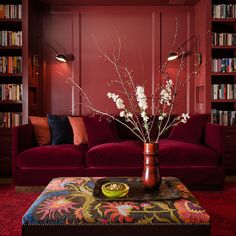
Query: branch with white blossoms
[
  {"x": 93, "y": 110},
  {"x": 132, "y": 102},
  {"x": 126, "y": 81}
]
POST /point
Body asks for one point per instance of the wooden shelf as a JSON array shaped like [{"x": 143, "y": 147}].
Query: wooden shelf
[
  {"x": 9, "y": 102},
  {"x": 13, "y": 21},
  {"x": 10, "y": 75},
  {"x": 224, "y": 47},
  {"x": 10, "y": 48},
  {"x": 224, "y": 20},
  {"x": 224, "y": 100},
  {"x": 10, "y": 24},
  {"x": 223, "y": 73}
]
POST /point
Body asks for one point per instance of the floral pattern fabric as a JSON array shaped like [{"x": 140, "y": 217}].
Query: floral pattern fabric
[{"x": 70, "y": 200}]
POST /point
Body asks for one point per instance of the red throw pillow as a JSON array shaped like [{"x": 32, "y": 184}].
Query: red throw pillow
[
  {"x": 100, "y": 130},
  {"x": 192, "y": 131}
]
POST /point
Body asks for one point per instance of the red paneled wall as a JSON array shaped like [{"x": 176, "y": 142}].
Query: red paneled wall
[
  {"x": 202, "y": 83},
  {"x": 146, "y": 35}
]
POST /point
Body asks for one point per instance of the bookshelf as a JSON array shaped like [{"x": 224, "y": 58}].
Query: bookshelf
[
  {"x": 223, "y": 74},
  {"x": 11, "y": 63},
  {"x": 11, "y": 78},
  {"x": 223, "y": 62}
]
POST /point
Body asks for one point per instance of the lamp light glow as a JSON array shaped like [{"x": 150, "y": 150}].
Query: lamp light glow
[
  {"x": 61, "y": 57},
  {"x": 64, "y": 57},
  {"x": 172, "y": 56}
]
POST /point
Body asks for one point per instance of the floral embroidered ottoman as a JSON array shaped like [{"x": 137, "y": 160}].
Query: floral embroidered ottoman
[{"x": 67, "y": 207}]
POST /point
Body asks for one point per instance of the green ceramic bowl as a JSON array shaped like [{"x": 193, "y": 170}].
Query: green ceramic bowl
[{"x": 115, "y": 189}]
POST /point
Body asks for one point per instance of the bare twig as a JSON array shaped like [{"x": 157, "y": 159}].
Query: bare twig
[{"x": 164, "y": 97}]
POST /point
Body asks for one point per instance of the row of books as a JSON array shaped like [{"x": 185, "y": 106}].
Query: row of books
[
  {"x": 10, "y": 11},
  {"x": 9, "y": 119},
  {"x": 220, "y": 11},
  {"x": 223, "y": 39},
  {"x": 223, "y": 91},
  {"x": 10, "y": 38},
  {"x": 11, "y": 92},
  {"x": 223, "y": 117},
  {"x": 223, "y": 64},
  {"x": 11, "y": 64}
]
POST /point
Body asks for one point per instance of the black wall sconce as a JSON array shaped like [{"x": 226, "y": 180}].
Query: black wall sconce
[
  {"x": 64, "y": 58},
  {"x": 181, "y": 52}
]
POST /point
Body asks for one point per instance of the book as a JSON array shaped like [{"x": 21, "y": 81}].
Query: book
[{"x": 214, "y": 116}]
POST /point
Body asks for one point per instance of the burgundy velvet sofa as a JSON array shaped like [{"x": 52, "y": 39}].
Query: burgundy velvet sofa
[{"x": 198, "y": 165}]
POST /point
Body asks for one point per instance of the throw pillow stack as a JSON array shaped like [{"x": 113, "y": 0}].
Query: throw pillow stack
[{"x": 61, "y": 129}]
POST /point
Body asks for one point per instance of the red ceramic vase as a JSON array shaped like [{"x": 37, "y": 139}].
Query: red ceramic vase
[{"x": 151, "y": 176}]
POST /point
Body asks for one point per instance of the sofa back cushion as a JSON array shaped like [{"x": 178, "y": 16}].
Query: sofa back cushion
[
  {"x": 124, "y": 132},
  {"x": 192, "y": 131},
  {"x": 100, "y": 130},
  {"x": 79, "y": 130},
  {"x": 61, "y": 131},
  {"x": 41, "y": 129}
]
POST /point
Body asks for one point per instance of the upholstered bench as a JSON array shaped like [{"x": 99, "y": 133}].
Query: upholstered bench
[{"x": 67, "y": 207}]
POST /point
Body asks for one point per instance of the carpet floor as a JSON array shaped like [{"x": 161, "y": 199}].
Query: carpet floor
[{"x": 221, "y": 206}]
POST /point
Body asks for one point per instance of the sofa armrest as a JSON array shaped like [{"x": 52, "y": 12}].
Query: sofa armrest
[
  {"x": 214, "y": 137},
  {"x": 22, "y": 139}
]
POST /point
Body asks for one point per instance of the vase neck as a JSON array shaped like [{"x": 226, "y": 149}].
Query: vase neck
[{"x": 151, "y": 147}]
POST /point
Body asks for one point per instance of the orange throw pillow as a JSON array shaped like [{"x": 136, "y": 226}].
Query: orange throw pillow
[
  {"x": 41, "y": 129},
  {"x": 79, "y": 130}
]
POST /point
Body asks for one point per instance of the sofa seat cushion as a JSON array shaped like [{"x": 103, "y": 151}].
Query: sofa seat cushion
[
  {"x": 118, "y": 154},
  {"x": 64, "y": 155},
  {"x": 178, "y": 153}
]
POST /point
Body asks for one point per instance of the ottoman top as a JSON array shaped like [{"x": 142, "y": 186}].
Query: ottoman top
[{"x": 70, "y": 201}]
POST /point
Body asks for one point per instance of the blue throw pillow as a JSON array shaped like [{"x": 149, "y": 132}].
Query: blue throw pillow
[{"x": 60, "y": 128}]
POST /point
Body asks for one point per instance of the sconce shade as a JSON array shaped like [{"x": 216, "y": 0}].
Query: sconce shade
[
  {"x": 172, "y": 56},
  {"x": 61, "y": 57}
]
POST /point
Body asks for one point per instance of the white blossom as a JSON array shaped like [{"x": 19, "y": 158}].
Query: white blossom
[
  {"x": 141, "y": 98},
  {"x": 166, "y": 93},
  {"x": 165, "y": 98},
  {"x": 185, "y": 117},
  {"x": 139, "y": 90},
  {"x": 162, "y": 116},
  {"x": 122, "y": 114},
  {"x": 170, "y": 82},
  {"x": 113, "y": 96},
  {"x": 120, "y": 103},
  {"x": 129, "y": 115},
  {"x": 144, "y": 116}
]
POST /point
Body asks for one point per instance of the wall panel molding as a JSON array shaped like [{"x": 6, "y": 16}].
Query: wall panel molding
[{"x": 148, "y": 35}]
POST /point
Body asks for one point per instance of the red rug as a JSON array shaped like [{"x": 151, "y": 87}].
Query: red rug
[
  {"x": 12, "y": 207},
  {"x": 221, "y": 206}
]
